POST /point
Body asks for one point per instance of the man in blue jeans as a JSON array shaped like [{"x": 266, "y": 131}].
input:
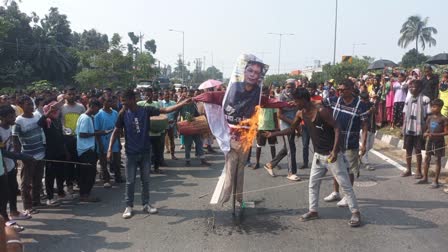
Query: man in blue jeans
[{"x": 135, "y": 121}]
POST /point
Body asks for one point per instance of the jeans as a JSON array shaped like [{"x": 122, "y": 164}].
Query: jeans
[
  {"x": 305, "y": 145},
  {"x": 142, "y": 160},
  {"x": 31, "y": 182},
  {"x": 197, "y": 144},
  {"x": 289, "y": 149},
  {"x": 338, "y": 169},
  {"x": 4, "y": 194},
  {"x": 87, "y": 173}
]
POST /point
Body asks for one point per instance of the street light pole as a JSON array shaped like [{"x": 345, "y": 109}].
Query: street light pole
[
  {"x": 183, "y": 52},
  {"x": 354, "y": 45},
  {"x": 335, "y": 32},
  {"x": 279, "y": 46}
]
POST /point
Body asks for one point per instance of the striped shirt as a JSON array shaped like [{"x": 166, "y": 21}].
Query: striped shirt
[
  {"x": 349, "y": 118},
  {"x": 30, "y": 136}
]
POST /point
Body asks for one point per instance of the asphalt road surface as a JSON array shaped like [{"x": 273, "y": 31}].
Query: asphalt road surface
[{"x": 396, "y": 214}]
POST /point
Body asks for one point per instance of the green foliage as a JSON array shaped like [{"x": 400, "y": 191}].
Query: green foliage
[
  {"x": 40, "y": 86},
  {"x": 319, "y": 77},
  {"x": 416, "y": 29},
  {"x": 276, "y": 79},
  {"x": 413, "y": 58},
  {"x": 340, "y": 71}
]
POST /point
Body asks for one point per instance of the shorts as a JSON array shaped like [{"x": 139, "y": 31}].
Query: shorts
[
  {"x": 413, "y": 142},
  {"x": 352, "y": 160},
  {"x": 435, "y": 148},
  {"x": 261, "y": 140}
]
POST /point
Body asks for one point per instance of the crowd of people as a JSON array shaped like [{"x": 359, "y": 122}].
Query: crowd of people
[{"x": 58, "y": 138}]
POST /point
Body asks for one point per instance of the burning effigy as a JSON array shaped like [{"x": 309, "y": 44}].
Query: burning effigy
[{"x": 234, "y": 121}]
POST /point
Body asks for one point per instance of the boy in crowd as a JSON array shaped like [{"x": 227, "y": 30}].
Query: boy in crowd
[
  {"x": 28, "y": 134},
  {"x": 436, "y": 130},
  {"x": 105, "y": 120},
  {"x": 55, "y": 150},
  {"x": 135, "y": 121},
  {"x": 85, "y": 147},
  {"x": 267, "y": 121},
  {"x": 416, "y": 109},
  {"x": 169, "y": 136}
]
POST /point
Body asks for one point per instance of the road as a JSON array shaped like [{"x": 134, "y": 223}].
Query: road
[{"x": 396, "y": 214}]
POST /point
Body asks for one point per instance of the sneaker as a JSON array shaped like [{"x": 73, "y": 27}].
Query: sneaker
[
  {"x": 147, "y": 208},
  {"x": 332, "y": 197},
  {"x": 19, "y": 216},
  {"x": 127, "y": 213},
  {"x": 342, "y": 202},
  {"x": 107, "y": 185},
  {"x": 52, "y": 202}
]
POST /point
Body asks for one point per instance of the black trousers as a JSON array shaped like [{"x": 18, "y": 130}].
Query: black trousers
[
  {"x": 157, "y": 151},
  {"x": 13, "y": 187},
  {"x": 87, "y": 173},
  {"x": 54, "y": 171},
  {"x": 4, "y": 194},
  {"x": 71, "y": 171}
]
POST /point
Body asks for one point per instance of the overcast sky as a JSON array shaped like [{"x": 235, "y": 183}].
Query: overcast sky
[{"x": 226, "y": 28}]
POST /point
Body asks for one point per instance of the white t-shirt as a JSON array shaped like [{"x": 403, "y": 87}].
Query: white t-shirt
[
  {"x": 30, "y": 136},
  {"x": 6, "y": 139}
]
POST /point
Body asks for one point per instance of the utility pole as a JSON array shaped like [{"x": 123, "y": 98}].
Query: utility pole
[
  {"x": 280, "y": 46},
  {"x": 183, "y": 51}
]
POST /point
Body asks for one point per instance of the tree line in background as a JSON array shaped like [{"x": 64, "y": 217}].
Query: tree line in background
[{"x": 33, "y": 49}]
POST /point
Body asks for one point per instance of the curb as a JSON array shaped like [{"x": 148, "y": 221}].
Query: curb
[{"x": 398, "y": 143}]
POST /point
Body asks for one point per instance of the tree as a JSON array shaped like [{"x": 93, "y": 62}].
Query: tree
[
  {"x": 416, "y": 29},
  {"x": 213, "y": 73},
  {"x": 342, "y": 70},
  {"x": 90, "y": 40},
  {"x": 51, "y": 56},
  {"x": 276, "y": 79},
  {"x": 413, "y": 58}
]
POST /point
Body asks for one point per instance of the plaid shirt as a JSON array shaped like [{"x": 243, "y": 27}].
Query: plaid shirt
[{"x": 349, "y": 118}]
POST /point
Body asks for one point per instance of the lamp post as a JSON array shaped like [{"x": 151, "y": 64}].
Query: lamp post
[
  {"x": 183, "y": 51},
  {"x": 356, "y": 44},
  {"x": 335, "y": 32},
  {"x": 280, "y": 35}
]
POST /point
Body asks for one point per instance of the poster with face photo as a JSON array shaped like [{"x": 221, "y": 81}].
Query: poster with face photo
[{"x": 243, "y": 93}]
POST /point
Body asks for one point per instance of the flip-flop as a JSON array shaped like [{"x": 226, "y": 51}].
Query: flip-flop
[
  {"x": 270, "y": 171},
  {"x": 293, "y": 177},
  {"x": 434, "y": 185},
  {"x": 355, "y": 220},
  {"x": 405, "y": 174}
]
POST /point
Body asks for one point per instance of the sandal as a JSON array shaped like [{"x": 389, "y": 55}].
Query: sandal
[
  {"x": 355, "y": 220},
  {"x": 421, "y": 182},
  {"x": 405, "y": 174},
  {"x": 15, "y": 226},
  {"x": 309, "y": 216},
  {"x": 418, "y": 176},
  {"x": 269, "y": 169},
  {"x": 445, "y": 190}
]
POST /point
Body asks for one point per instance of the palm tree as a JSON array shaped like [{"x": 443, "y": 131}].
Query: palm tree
[{"x": 416, "y": 29}]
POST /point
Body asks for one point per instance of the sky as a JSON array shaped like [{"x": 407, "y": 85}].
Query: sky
[{"x": 223, "y": 29}]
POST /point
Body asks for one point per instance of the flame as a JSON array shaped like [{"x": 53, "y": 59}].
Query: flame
[{"x": 248, "y": 130}]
